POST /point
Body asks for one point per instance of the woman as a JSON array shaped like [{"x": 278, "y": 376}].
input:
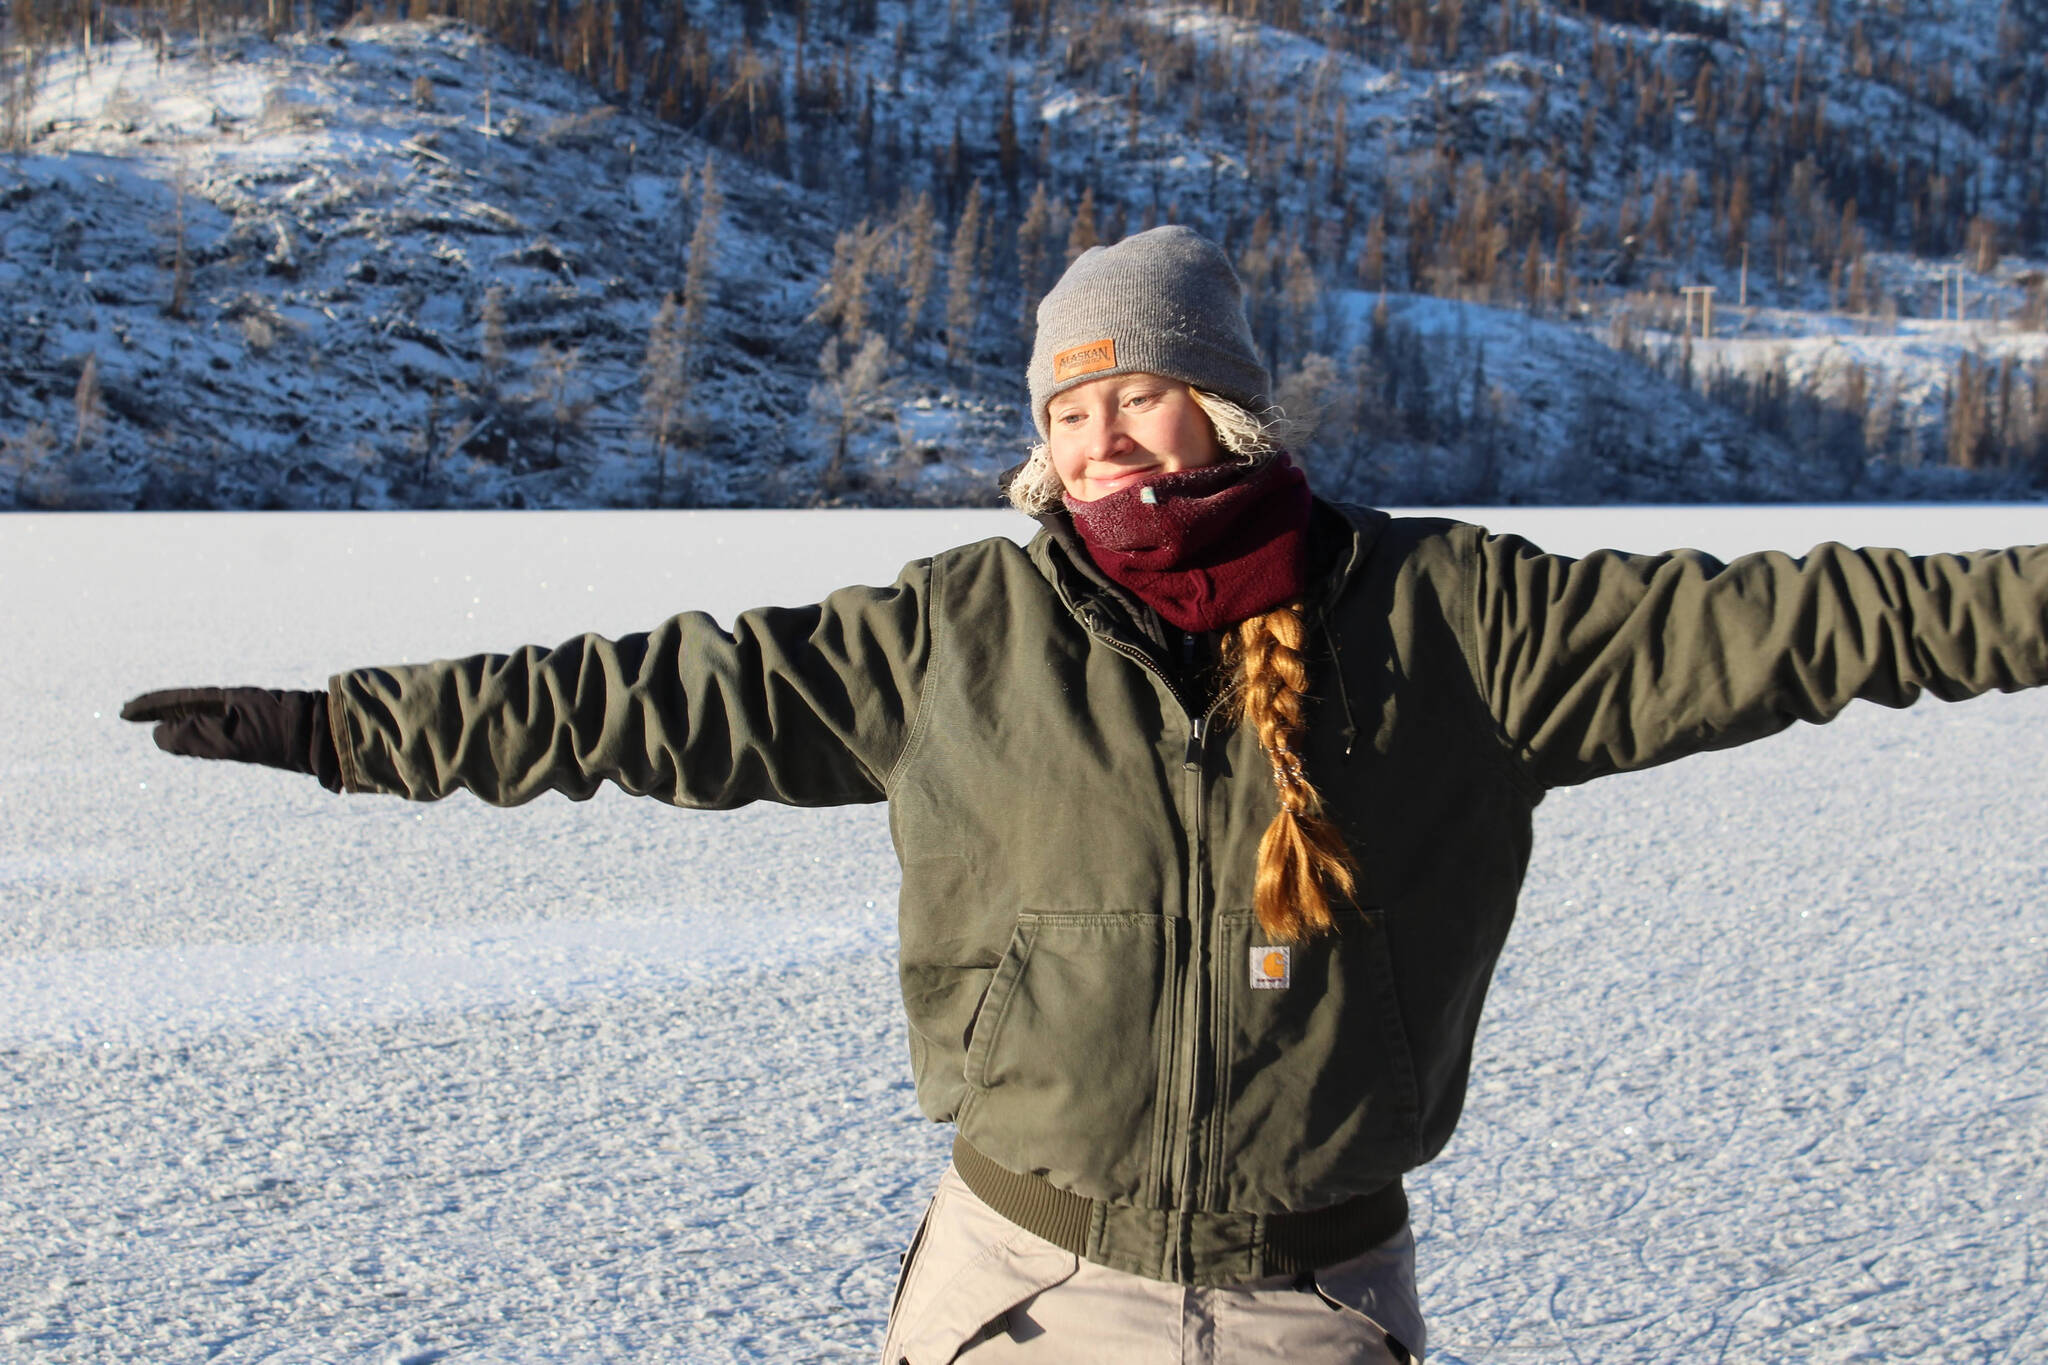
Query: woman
[{"x": 1212, "y": 804}]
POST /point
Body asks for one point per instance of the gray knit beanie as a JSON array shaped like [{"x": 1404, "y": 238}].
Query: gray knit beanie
[{"x": 1161, "y": 302}]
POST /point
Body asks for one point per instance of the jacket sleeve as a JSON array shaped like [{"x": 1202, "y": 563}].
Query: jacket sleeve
[
  {"x": 1616, "y": 662},
  {"x": 809, "y": 706}
]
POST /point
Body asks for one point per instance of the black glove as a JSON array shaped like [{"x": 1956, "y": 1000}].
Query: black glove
[{"x": 247, "y": 724}]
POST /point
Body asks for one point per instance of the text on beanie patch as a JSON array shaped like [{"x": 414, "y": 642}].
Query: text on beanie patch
[{"x": 1086, "y": 358}]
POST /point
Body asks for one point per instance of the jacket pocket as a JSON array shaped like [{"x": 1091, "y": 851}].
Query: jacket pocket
[
  {"x": 1062, "y": 1065},
  {"x": 1318, "y": 1084},
  {"x": 943, "y": 1001}
]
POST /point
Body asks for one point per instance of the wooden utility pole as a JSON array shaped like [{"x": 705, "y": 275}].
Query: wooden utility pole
[
  {"x": 1705, "y": 294},
  {"x": 1742, "y": 291}
]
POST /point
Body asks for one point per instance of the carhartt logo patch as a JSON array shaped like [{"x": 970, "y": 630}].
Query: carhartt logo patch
[
  {"x": 1272, "y": 968},
  {"x": 1087, "y": 358}
]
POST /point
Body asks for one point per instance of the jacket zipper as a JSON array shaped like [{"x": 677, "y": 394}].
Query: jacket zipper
[
  {"x": 1198, "y": 1025},
  {"x": 1173, "y": 1178},
  {"x": 1190, "y": 1036},
  {"x": 1180, "y": 1253}
]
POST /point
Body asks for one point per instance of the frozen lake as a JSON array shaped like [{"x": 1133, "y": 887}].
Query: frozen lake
[{"x": 289, "y": 1077}]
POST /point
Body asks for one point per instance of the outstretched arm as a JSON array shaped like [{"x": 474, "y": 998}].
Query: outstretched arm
[
  {"x": 1616, "y": 662},
  {"x": 808, "y": 706}
]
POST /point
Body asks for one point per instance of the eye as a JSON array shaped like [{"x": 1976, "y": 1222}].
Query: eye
[
  {"x": 1139, "y": 400},
  {"x": 1067, "y": 419}
]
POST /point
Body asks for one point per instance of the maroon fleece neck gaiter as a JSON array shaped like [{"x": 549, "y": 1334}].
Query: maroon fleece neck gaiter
[{"x": 1205, "y": 548}]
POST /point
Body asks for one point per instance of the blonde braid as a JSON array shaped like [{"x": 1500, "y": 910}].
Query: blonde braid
[{"x": 1302, "y": 858}]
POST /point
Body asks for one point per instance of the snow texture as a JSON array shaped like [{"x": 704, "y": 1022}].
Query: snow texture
[{"x": 290, "y": 1077}]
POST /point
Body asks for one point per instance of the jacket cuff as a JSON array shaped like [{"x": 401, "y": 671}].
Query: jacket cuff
[{"x": 344, "y": 735}]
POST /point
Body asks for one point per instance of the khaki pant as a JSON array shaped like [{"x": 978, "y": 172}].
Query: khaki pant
[{"x": 979, "y": 1289}]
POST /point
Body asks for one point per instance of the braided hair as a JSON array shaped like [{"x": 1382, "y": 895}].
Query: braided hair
[
  {"x": 1303, "y": 861},
  {"x": 1302, "y": 858}
]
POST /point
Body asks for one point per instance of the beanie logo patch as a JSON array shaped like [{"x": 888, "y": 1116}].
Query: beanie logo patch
[{"x": 1087, "y": 358}]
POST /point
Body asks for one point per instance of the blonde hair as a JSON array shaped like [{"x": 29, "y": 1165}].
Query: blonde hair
[
  {"x": 1246, "y": 436},
  {"x": 1303, "y": 860}
]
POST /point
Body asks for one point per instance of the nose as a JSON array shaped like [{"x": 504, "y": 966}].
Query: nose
[{"x": 1108, "y": 439}]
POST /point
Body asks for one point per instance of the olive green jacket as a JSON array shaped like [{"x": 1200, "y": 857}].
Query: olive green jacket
[{"x": 1087, "y": 991}]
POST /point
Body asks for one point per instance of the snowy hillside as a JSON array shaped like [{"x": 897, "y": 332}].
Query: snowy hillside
[
  {"x": 290, "y": 1077},
  {"x": 345, "y": 205},
  {"x": 424, "y": 264}
]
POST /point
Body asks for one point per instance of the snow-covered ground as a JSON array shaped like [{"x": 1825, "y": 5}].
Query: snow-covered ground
[{"x": 285, "y": 1077}]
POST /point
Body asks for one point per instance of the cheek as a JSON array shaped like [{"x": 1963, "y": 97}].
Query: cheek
[
  {"x": 1194, "y": 440},
  {"x": 1066, "y": 462}
]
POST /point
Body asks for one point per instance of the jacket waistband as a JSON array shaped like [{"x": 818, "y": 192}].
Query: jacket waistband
[{"x": 1191, "y": 1248}]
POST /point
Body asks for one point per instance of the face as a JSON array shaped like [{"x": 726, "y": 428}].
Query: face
[{"x": 1109, "y": 433}]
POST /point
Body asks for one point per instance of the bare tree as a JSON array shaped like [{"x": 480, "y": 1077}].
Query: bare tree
[
  {"x": 697, "y": 277},
  {"x": 1300, "y": 292},
  {"x": 920, "y": 263},
  {"x": 21, "y": 98},
  {"x": 87, "y": 404},
  {"x": 1006, "y": 134},
  {"x": 2037, "y": 427},
  {"x": 181, "y": 260},
  {"x": 844, "y": 300},
  {"x": 1968, "y": 434},
  {"x": 847, "y": 394},
  {"x": 963, "y": 284},
  {"x": 491, "y": 360},
  {"x": 1881, "y": 423},
  {"x": 1313, "y": 395},
  {"x": 1084, "y": 233},
  {"x": 665, "y": 388},
  {"x": 361, "y": 459},
  {"x": 1372, "y": 261},
  {"x": 1737, "y": 214},
  {"x": 1983, "y": 244},
  {"x": 1033, "y": 239},
  {"x": 26, "y": 460},
  {"x": 555, "y": 386},
  {"x": 2034, "y": 315}
]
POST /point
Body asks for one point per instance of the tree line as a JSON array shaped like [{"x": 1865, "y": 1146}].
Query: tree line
[{"x": 1636, "y": 161}]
